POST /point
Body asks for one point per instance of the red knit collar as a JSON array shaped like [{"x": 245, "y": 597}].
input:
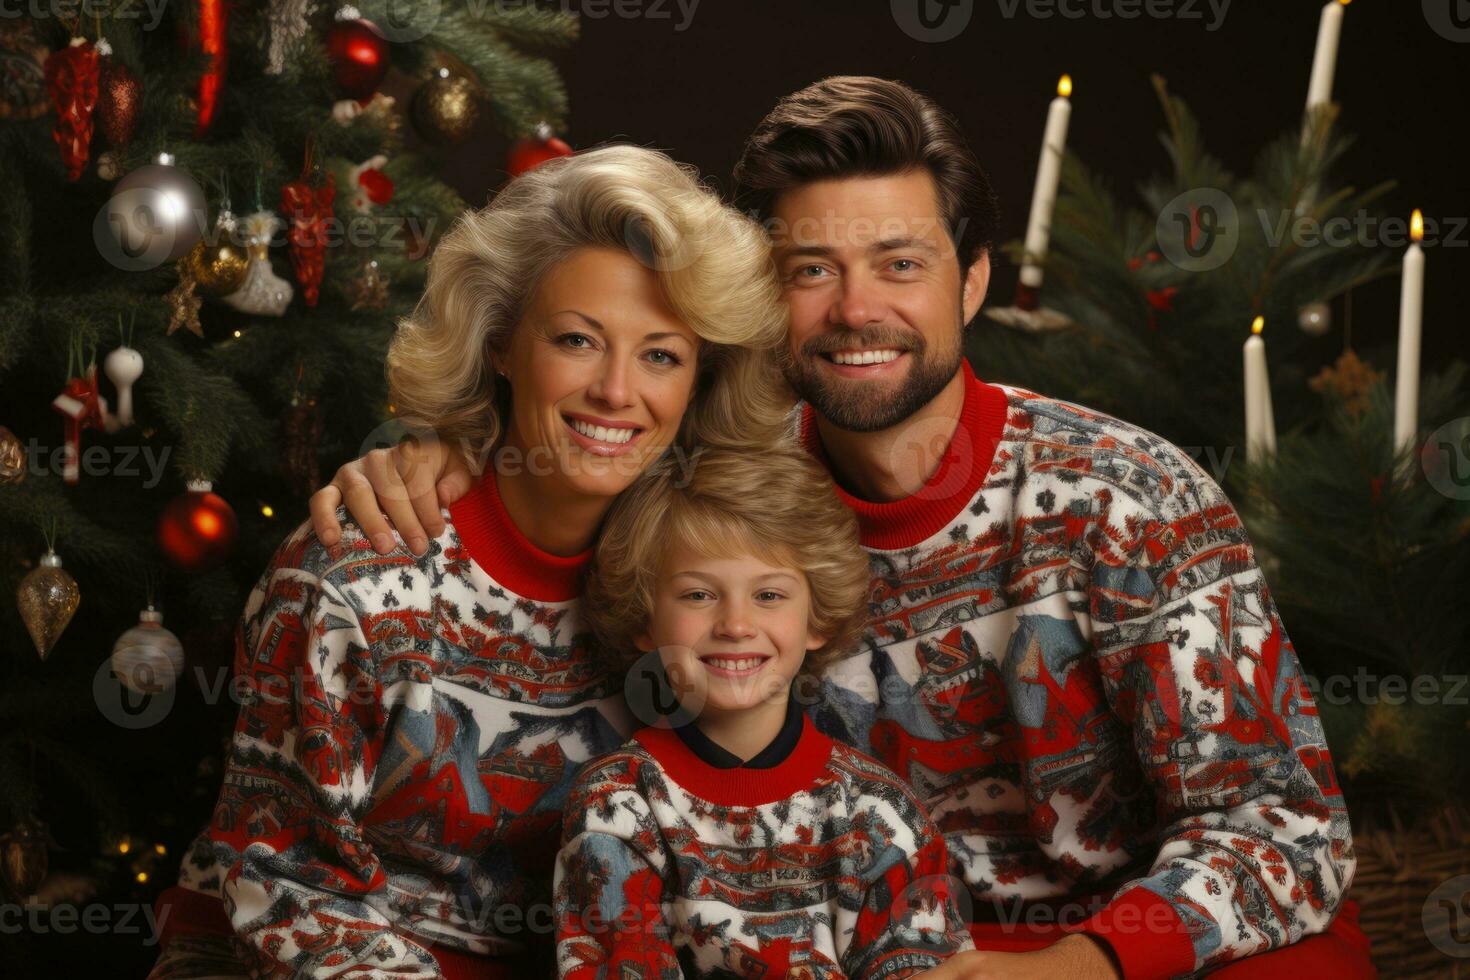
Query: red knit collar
[
  {"x": 507, "y": 555},
  {"x": 740, "y": 786},
  {"x": 962, "y": 471}
]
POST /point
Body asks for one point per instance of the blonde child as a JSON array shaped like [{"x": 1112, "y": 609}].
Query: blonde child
[{"x": 734, "y": 839}]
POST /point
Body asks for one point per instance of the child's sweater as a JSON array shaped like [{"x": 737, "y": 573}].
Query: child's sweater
[
  {"x": 810, "y": 860},
  {"x": 1076, "y": 663}
]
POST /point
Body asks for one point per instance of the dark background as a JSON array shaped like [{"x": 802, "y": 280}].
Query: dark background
[{"x": 698, "y": 92}]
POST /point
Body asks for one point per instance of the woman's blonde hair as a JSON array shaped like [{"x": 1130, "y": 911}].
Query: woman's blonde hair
[
  {"x": 713, "y": 265},
  {"x": 776, "y": 504}
]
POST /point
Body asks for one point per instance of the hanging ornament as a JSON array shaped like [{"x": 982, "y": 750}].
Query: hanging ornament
[
  {"x": 82, "y": 407},
  {"x": 212, "y": 18},
  {"x": 533, "y": 152},
  {"x": 12, "y": 459},
  {"x": 370, "y": 186},
  {"x": 262, "y": 293},
  {"x": 359, "y": 54},
  {"x": 446, "y": 108},
  {"x": 22, "y": 75},
  {"x": 48, "y": 599},
  {"x": 197, "y": 529},
  {"x": 155, "y": 215},
  {"x": 368, "y": 292},
  {"x": 71, "y": 80},
  {"x": 1349, "y": 379},
  {"x": 1315, "y": 319},
  {"x": 302, "y": 429},
  {"x": 308, "y": 209},
  {"x": 286, "y": 28},
  {"x": 378, "y": 112},
  {"x": 23, "y": 860},
  {"x": 183, "y": 304},
  {"x": 108, "y": 165},
  {"x": 119, "y": 96},
  {"x": 219, "y": 262},
  {"x": 148, "y": 658},
  {"x": 123, "y": 366}
]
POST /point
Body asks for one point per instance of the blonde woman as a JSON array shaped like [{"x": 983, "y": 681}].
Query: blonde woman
[{"x": 393, "y": 796}]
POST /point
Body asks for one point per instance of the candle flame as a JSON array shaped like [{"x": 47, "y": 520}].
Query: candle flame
[
  {"x": 1344, "y": 2},
  {"x": 1064, "y": 87},
  {"x": 1258, "y": 325},
  {"x": 1416, "y": 226}
]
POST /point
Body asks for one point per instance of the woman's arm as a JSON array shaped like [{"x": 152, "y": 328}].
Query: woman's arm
[{"x": 303, "y": 888}]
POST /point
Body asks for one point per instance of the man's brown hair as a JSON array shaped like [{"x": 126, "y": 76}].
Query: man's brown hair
[{"x": 858, "y": 125}]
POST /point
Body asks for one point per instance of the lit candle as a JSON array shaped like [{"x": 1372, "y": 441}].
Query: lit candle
[
  {"x": 1260, "y": 420},
  {"x": 1044, "y": 198},
  {"x": 1411, "y": 323},
  {"x": 1324, "y": 63}
]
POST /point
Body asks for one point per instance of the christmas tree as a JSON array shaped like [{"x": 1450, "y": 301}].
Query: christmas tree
[
  {"x": 211, "y": 220},
  {"x": 1363, "y": 536}
]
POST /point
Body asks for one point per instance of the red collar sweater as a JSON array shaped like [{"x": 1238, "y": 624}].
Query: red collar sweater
[
  {"x": 821, "y": 865},
  {"x": 1076, "y": 663}
]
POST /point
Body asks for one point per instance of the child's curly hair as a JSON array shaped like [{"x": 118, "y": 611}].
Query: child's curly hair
[{"x": 774, "y": 503}]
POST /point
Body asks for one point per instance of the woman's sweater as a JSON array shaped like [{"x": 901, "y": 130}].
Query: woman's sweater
[{"x": 402, "y": 758}]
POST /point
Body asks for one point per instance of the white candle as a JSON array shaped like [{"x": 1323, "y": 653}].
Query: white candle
[
  {"x": 1260, "y": 421},
  {"x": 1411, "y": 323},
  {"x": 1324, "y": 63},
  {"x": 1048, "y": 177}
]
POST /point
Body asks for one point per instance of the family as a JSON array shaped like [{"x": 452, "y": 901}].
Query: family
[{"x": 730, "y": 626}]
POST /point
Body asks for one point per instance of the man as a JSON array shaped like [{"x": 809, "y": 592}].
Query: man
[{"x": 1074, "y": 657}]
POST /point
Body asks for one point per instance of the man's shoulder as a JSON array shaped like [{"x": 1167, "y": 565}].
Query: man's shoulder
[{"x": 1089, "y": 448}]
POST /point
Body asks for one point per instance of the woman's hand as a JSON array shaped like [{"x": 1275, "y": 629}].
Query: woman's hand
[
  {"x": 1077, "y": 956},
  {"x": 405, "y": 485}
]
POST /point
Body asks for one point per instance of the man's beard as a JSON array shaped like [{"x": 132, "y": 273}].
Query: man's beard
[{"x": 866, "y": 406}]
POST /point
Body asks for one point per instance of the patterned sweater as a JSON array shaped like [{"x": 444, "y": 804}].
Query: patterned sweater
[
  {"x": 819, "y": 863},
  {"x": 1077, "y": 665},
  {"x": 399, "y": 769}
]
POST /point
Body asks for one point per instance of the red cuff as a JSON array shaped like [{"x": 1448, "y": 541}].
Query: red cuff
[{"x": 1145, "y": 933}]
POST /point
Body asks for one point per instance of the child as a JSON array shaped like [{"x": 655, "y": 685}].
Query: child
[{"x": 808, "y": 859}]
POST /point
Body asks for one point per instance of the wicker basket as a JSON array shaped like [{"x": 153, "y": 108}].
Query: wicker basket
[{"x": 1398, "y": 868}]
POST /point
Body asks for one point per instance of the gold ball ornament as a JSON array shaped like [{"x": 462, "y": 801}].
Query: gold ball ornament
[
  {"x": 218, "y": 268},
  {"x": 48, "y": 599},
  {"x": 12, "y": 459},
  {"x": 446, "y": 107}
]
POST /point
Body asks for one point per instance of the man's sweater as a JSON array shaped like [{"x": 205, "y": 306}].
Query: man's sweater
[
  {"x": 401, "y": 760},
  {"x": 1077, "y": 665},
  {"x": 810, "y": 860}
]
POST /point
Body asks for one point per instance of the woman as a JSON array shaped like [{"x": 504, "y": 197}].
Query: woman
[{"x": 393, "y": 793}]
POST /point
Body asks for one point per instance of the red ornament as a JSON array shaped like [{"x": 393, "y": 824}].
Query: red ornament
[
  {"x": 359, "y": 56},
  {"x": 308, "y": 209},
  {"x": 197, "y": 529},
  {"x": 533, "y": 152},
  {"x": 83, "y": 408},
  {"x": 118, "y": 102},
  {"x": 377, "y": 185},
  {"x": 212, "y": 16},
  {"x": 71, "y": 80}
]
